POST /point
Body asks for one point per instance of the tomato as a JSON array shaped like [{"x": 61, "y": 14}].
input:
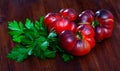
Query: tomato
[
  {"x": 64, "y": 24},
  {"x": 58, "y": 23},
  {"x": 86, "y": 16},
  {"x": 79, "y": 43},
  {"x": 70, "y": 14},
  {"x": 104, "y": 22},
  {"x": 50, "y": 18}
]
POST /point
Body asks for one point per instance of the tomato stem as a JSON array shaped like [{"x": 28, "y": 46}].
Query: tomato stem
[
  {"x": 95, "y": 23},
  {"x": 79, "y": 35}
]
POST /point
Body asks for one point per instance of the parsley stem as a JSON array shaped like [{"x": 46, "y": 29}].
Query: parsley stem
[{"x": 30, "y": 52}]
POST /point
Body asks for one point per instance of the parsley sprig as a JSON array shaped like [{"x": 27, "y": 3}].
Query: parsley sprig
[{"x": 32, "y": 38}]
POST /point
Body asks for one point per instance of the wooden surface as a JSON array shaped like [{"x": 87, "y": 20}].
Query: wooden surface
[{"x": 104, "y": 57}]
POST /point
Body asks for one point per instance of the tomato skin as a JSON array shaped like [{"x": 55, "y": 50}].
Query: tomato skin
[
  {"x": 91, "y": 42},
  {"x": 88, "y": 32},
  {"x": 105, "y": 24},
  {"x": 75, "y": 45},
  {"x": 50, "y": 18},
  {"x": 86, "y": 29},
  {"x": 81, "y": 48},
  {"x": 99, "y": 33},
  {"x": 70, "y": 14},
  {"x": 69, "y": 38},
  {"x": 86, "y": 16},
  {"x": 64, "y": 24}
]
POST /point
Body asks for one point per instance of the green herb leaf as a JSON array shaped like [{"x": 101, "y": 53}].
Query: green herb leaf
[
  {"x": 44, "y": 45},
  {"x": 17, "y": 38},
  {"x": 28, "y": 24},
  {"x": 21, "y": 26},
  {"x": 52, "y": 35},
  {"x": 50, "y": 54},
  {"x": 12, "y": 33},
  {"x": 19, "y": 53},
  {"x": 67, "y": 57},
  {"x": 14, "y": 26},
  {"x": 37, "y": 25}
]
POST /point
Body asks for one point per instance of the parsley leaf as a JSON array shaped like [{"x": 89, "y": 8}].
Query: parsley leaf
[
  {"x": 67, "y": 57},
  {"x": 19, "y": 53},
  {"x": 28, "y": 24},
  {"x": 17, "y": 38}
]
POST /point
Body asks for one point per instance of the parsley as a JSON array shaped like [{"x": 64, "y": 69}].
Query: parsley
[
  {"x": 32, "y": 38},
  {"x": 19, "y": 53},
  {"x": 67, "y": 57}
]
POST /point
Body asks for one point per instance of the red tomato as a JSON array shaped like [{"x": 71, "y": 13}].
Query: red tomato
[
  {"x": 64, "y": 24},
  {"x": 69, "y": 13},
  {"x": 50, "y": 18},
  {"x": 86, "y": 16},
  {"x": 79, "y": 43},
  {"x": 104, "y": 24}
]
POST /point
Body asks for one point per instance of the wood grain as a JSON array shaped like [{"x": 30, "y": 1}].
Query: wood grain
[{"x": 104, "y": 57}]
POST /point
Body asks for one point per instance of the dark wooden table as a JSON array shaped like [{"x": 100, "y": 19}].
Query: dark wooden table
[{"x": 104, "y": 57}]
